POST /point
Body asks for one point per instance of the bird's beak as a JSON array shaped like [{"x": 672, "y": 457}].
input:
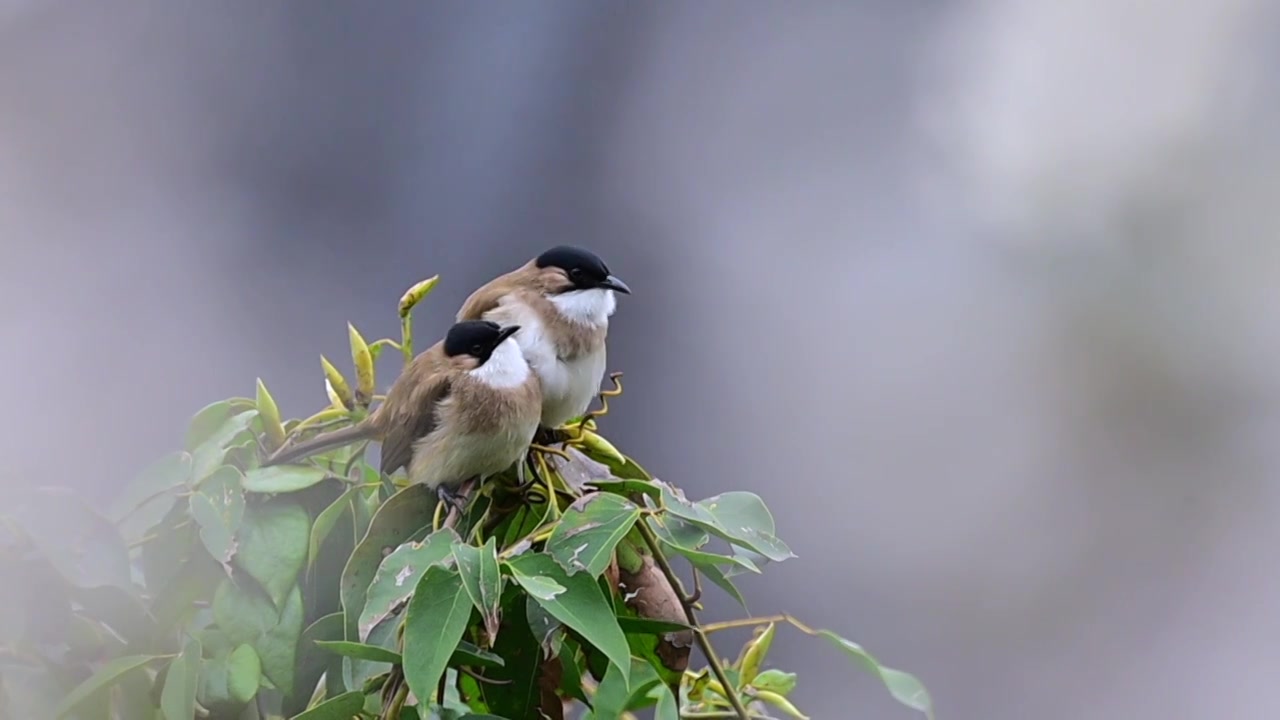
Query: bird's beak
[
  {"x": 614, "y": 282},
  {"x": 505, "y": 333}
]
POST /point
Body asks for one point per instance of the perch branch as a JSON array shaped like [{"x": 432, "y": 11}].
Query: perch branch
[{"x": 701, "y": 637}]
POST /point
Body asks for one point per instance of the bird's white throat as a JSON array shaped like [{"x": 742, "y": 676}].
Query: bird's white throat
[
  {"x": 590, "y": 307},
  {"x": 505, "y": 368}
]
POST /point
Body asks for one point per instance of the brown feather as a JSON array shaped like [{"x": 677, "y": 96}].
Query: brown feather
[
  {"x": 409, "y": 412},
  {"x": 487, "y": 296},
  {"x": 529, "y": 285}
]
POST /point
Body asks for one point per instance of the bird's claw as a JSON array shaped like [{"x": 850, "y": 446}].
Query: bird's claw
[{"x": 455, "y": 500}]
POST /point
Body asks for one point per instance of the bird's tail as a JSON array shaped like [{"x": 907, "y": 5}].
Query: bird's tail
[{"x": 321, "y": 442}]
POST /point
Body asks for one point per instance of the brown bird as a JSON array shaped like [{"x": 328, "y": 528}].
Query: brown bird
[
  {"x": 562, "y": 301},
  {"x": 465, "y": 408}
]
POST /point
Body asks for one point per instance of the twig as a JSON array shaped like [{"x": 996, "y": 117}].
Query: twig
[
  {"x": 482, "y": 679},
  {"x": 744, "y": 622},
  {"x": 406, "y": 337},
  {"x": 397, "y": 701},
  {"x": 703, "y": 643},
  {"x": 142, "y": 541},
  {"x": 604, "y": 395},
  {"x": 697, "y": 588}
]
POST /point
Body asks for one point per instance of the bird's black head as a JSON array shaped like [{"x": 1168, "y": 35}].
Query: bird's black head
[
  {"x": 477, "y": 338},
  {"x": 584, "y": 269}
]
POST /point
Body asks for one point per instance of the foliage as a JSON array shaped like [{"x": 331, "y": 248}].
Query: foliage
[{"x": 217, "y": 587}]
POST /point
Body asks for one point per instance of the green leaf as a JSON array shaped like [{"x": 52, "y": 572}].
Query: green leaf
[
  {"x": 167, "y": 554},
  {"x": 150, "y": 494},
  {"x": 119, "y": 609},
  {"x": 721, "y": 580},
  {"x": 438, "y": 616},
  {"x": 325, "y": 521},
  {"x": 210, "y": 453},
  {"x": 83, "y": 546},
  {"x": 314, "y": 662},
  {"x": 753, "y": 656},
  {"x": 571, "y": 671},
  {"x": 904, "y": 687},
  {"x": 644, "y": 680},
  {"x": 738, "y": 517},
  {"x": 581, "y": 606},
  {"x": 481, "y": 578},
  {"x": 283, "y": 478},
  {"x": 178, "y": 699},
  {"x": 399, "y": 573},
  {"x": 538, "y": 586},
  {"x": 244, "y": 673},
  {"x": 133, "y": 697},
  {"x": 611, "y": 695},
  {"x": 677, "y": 532},
  {"x": 273, "y": 545},
  {"x": 243, "y": 611},
  {"x": 213, "y": 692},
  {"x": 515, "y": 688},
  {"x": 246, "y": 615},
  {"x": 357, "y": 672},
  {"x": 207, "y": 422},
  {"x": 105, "y": 677},
  {"x": 218, "y": 508},
  {"x": 589, "y": 530},
  {"x": 668, "y": 708},
  {"x": 278, "y": 648},
  {"x": 781, "y": 703},
  {"x": 371, "y": 653},
  {"x": 397, "y": 520},
  {"x": 468, "y": 654},
  {"x": 544, "y": 626},
  {"x": 342, "y": 707},
  {"x": 775, "y": 681},
  {"x": 701, "y": 558},
  {"x": 627, "y": 487}
]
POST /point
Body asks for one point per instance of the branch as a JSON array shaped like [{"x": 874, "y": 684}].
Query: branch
[{"x": 703, "y": 643}]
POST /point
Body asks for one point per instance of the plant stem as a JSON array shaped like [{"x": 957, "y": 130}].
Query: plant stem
[
  {"x": 744, "y": 622},
  {"x": 701, "y": 637},
  {"x": 406, "y": 337}
]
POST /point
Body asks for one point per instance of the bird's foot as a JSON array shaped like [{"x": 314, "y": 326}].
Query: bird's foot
[
  {"x": 456, "y": 500},
  {"x": 546, "y": 436}
]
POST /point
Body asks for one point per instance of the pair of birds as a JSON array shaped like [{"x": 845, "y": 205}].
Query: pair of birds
[{"x": 527, "y": 353}]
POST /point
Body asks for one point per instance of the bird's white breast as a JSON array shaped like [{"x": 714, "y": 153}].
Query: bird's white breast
[
  {"x": 505, "y": 368},
  {"x": 568, "y": 385},
  {"x": 589, "y": 307}
]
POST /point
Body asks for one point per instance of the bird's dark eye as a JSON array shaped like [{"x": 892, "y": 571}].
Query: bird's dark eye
[
  {"x": 575, "y": 273},
  {"x": 476, "y": 349}
]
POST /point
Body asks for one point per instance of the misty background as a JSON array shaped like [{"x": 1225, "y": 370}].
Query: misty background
[{"x": 981, "y": 297}]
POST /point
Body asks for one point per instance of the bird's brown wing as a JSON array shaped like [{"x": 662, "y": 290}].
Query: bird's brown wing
[
  {"x": 484, "y": 299},
  {"x": 409, "y": 413},
  {"x": 487, "y": 296}
]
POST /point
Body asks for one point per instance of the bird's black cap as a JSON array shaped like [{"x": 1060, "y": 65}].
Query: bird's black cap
[
  {"x": 585, "y": 269},
  {"x": 477, "y": 338}
]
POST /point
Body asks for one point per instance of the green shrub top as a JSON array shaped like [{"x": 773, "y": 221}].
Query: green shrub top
[{"x": 219, "y": 588}]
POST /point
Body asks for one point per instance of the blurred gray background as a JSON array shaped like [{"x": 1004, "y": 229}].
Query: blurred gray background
[{"x": 980, "y": 296}]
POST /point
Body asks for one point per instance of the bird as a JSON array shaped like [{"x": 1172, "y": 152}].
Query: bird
[
  {"x": 466, "y": 408},
  {"x": 562, "y": 300}
]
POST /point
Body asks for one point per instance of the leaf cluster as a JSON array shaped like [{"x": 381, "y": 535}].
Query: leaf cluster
[{"x": 217, "y": 587}]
